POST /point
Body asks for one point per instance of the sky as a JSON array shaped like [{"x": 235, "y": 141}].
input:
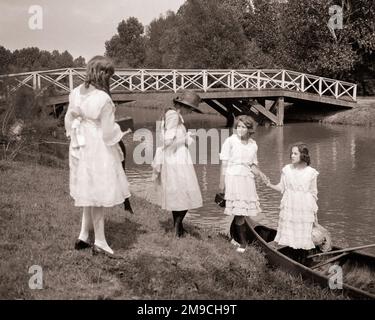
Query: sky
[{"x": 79, "y": 26}]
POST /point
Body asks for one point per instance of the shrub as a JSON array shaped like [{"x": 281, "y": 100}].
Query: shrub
[{"x": 25, "y": 124}]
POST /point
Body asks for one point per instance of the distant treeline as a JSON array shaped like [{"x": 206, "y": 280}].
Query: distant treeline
[
  {"x": 31, "y": 59},
  {"x": 234, "y": 34}
]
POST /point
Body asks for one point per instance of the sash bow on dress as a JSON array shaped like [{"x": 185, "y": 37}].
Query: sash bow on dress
[{"x": 77, "y": 136}]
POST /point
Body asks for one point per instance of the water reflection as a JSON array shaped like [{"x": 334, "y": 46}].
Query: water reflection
[{"x": 344, "y": 157}]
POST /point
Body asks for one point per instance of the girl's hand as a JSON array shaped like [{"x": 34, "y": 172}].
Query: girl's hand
[
  {"x": 262, "y": 176},
  {"x": 127, "y": 131},
  {"x": 266, "y": 180},
  {"x": 191, "y": 134}
]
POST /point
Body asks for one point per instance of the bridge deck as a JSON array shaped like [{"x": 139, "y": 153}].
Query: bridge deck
[
  {"x": 290, "y": 96},
  {"x": 227, "y": 91}
]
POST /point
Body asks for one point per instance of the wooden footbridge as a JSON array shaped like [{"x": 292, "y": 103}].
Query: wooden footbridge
[{"x": 261, "y": 93}]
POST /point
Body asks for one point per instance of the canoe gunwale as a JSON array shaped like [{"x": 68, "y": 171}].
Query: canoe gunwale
[{"x": 278, "y": 258}]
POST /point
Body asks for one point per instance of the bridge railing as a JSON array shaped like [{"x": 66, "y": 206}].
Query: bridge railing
[{"x": 145, "y": 80}]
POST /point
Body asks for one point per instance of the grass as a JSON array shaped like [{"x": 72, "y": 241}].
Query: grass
[
  {"x": 39, "y": 224},
  {"x": 363, "y": 115}
]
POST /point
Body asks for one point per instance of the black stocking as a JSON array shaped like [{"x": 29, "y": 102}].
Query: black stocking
[
  {"x": 178, "y": 216},
  {"x": 240, "y": 227},
  {"x": 127, "y": 206}
]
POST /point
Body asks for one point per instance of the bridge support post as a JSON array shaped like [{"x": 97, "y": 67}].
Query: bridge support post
[
  {"x": 34, "y": 81},
  {"x": 280, "y": 111},
  {"x": 71, "y": 84}
]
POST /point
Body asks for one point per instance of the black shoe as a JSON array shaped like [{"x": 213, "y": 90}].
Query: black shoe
[
  {"x": 127, "y": 206},
  {"x": 79, "y": 245},
  {"x": 180, "y": 231}
]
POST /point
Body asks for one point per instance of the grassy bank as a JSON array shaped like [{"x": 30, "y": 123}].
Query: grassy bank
[
  {"x": 363, "y": 115},
  {"x": 38, "y": 226}
]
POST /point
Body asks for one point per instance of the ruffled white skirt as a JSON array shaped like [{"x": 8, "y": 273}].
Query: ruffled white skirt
[
  {"x": 297, "y": 216},
  {"x": 241, "y": 196},
  {"x": 297, "y": 235}
]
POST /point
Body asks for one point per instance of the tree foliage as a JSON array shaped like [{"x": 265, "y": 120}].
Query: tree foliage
[
  {"x": 202, "y": 34},
  {"x": 210, "y": 36},
  {"x": 127, "y": 47},
  {"x": 34, "y": 59},
  {"x": 79, "y": 62},
  {"x": 5, "y": 59},
  {"x": 294, "y": 34},
  {"x": 162, "y": 42},
  {"x": 25, "y": 131},
  {"x": 290, "y": 34}
]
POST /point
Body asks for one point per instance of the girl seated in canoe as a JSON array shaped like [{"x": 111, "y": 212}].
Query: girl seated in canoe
[
  {"x": 238, "y": 170},
  {"x": 298, "y": 209}
]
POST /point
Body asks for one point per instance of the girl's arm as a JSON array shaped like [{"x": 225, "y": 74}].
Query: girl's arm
[
  {"x": 276, "y": 187},
  {"x": 314, "y": 188},
  {"x": 177, "y": 142},
  {"x": 112, "y": 133},
  {"x": 255, "y": 169},
  {"x": 223, "y": 169},
  {"x": 280, "y": 187},
  {"x": 314, "y": 191},
  {"x": 225, "y": 155},
  {"x": 172, "y": 120}
]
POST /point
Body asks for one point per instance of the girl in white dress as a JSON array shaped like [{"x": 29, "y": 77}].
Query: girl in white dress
[
  {"x": 238, "y": 170},
  {"x": 173, "y": 167},
  {"x": 298, "y": 209},
  {"x": 97, "y": 179}
]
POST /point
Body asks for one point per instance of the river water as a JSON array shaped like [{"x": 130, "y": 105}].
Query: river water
[{"x": 343, "y": 155}]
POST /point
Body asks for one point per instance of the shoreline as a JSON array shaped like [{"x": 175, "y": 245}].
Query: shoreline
[
  {"x": 40, "y": 229},
  {"x": 362, "y": 115}
]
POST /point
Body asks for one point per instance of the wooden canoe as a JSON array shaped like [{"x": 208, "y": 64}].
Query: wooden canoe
[{"x": 358, "y": 269}]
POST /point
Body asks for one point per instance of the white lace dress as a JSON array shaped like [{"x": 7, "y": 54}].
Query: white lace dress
[
  {"x": 96, "y": 175},
  {"x": 240, "y": 190},
  {"x": 298, "y": 207}
]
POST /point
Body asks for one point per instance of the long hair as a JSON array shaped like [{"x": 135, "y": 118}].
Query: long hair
[
  {"x": 303, "y": 150},
  {"x": 99, "y": 71}
]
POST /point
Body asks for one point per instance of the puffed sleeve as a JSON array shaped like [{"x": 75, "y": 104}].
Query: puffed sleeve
[
  {"x": 226, "y": 150},
  {"x": 172, "y": 120},
  {"x": 255, "y": 156},
  {"x": 314, "y": 184},
  {"x": 170, "y": 126},
  {"x": 112, "y": 133}
]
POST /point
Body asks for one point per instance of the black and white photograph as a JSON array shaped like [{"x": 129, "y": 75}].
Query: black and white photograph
[{"x": 200, "y": 153}]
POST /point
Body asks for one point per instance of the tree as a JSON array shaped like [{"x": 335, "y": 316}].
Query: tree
[
  {"x": 359, "y": 30},
  {"x": 45, "y": 59},
  {"x": 127, "y": 48},
  {"x": 5, "y": 59},
  {"x": 79, "y": 62},
  {"x": 262, "y": 25},
  {"x": 210, "y": 36},
  {"x": 26, "y": 59},
  {"x": 162, "y": 41},
  {"x": 295, "y": 35},
  {"x": 65, "y": 60}
]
